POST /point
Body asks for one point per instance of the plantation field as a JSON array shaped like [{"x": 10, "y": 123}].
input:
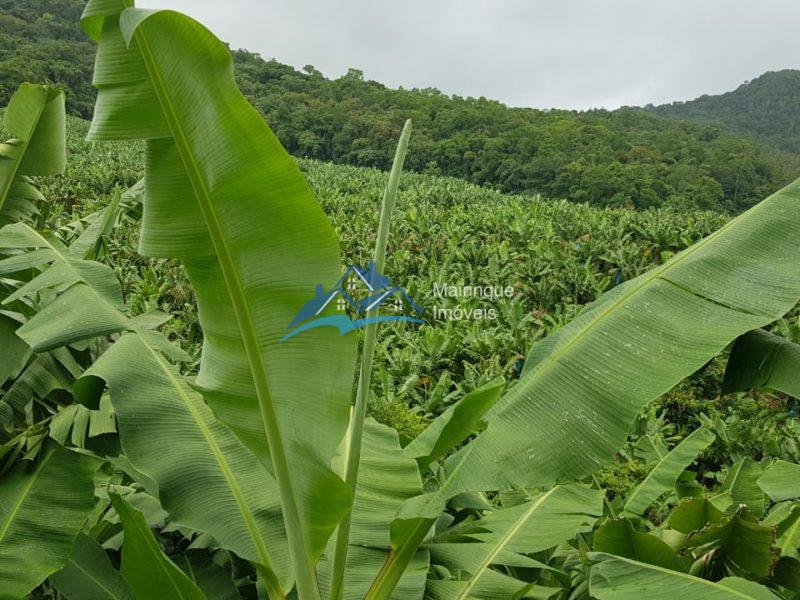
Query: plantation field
[{"x": 557, "y": 257}]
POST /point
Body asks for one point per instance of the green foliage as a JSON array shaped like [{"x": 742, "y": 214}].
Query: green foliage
[
  {"x": 42, "y": 509},
  {"x": 666, "y": 472},
  {"x": 616, "y": 578},
  {"x": 764, "y": 107},
  {"x": 627, "y": 157},
  {"x": 145, "y": 567},
  {"x": 761, "y": 360},
  {"x": 40, "y": 42},
  {"x": 34, "y": 118},
  {"x": 504, "y": 538},
  {"x": 89, "y": 574}
]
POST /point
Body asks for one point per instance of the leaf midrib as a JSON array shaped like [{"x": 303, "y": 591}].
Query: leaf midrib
[
  {"x": 791, "y": 532},
  {"x": 244, "y": 509},
  {"x": 219, "y": 457},
  {"x": 698, "y": 580},
  {"x": 502, "y": 543},
  {"x": 24, "y": 495}
]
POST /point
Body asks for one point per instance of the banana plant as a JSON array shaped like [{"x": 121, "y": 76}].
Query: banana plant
[
  {"x": 735, "y": 538},
  {"x": 222, "y": 196},
  {"x": 43, "y": 507},
  {"x": 35, "y": 119}
]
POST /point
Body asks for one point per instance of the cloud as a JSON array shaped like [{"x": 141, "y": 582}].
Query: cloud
[{"x": 542, "y": 53}]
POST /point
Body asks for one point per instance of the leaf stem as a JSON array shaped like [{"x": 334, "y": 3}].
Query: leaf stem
[{"x": 356, "y": 431}]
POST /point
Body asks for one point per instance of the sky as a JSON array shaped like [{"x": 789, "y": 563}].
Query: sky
[{"x": 539, "y": 53}]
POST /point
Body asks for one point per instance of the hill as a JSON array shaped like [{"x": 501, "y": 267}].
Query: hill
[
  {"x": 768, "y": 107},
  {"x": 629, "y": 157}
]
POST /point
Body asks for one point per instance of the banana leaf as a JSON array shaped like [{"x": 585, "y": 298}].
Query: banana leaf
[
  {"x": 147, "y": 570},
  {"x": 781, "y": 481},
  {"x": 89, "y": 574},
  {"x": 620, "y": 538},
  {"x": 222, "y": 195},
  {"x": 505, "y": 537},
  {"x": 35, "y": 119},
  {"x": 666, "y": 472},
  {"x": 386, "y": 479},
  {"x": 43, "y": 507},
  {"x": 763, "y": 360},
  {"x": 572, "y": 410},
  {"x": 616, "y": 578},
  {"x": 741, "y": 484},
  {"x": 212, "y": 482}
]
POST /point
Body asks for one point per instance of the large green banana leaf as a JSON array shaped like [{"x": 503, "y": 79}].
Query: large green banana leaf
[
  {"x": 572, "y": 410},
  {"x": 43, "y": 507},
  {"x": 211, "y": 483},
  {"x": 763, "y": 360},
  {"x": 36, "y": 121},
  {"x": 89, "y": 575},
  {"x": 616, "y": 578},
  {"x": 735, "y": 544},
  {"x": 634, "y": 344},
  {"x": 147, "y": 570},
  {"x": 666, "y": 472},
  {"x": 504, "y": 537},
  {"x": 222, "y": 195},
  {"x": 35, "y": 118}
]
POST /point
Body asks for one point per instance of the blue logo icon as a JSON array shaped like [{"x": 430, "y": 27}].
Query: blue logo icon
[{"x": 359, "y": 291}]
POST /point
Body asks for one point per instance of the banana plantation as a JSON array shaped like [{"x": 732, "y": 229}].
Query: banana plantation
[{"x": 623, "y": 426}]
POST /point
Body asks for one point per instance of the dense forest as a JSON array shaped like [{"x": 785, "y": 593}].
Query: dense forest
[
  {"x": 768, "y": 107},
  {"x": 627, "y": 157}
]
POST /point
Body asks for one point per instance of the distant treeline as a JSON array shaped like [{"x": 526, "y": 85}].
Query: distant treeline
[{"x": 627, "y": 157}]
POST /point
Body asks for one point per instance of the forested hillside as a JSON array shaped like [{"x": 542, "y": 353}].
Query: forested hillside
[
  {"x": 628, "y": 157},
  {"x": 767, "y": 107}
]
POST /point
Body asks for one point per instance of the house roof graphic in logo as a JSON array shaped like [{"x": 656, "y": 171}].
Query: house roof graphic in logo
[{"x": 361, "y": 290}]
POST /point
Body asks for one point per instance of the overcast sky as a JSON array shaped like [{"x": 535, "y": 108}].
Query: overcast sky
[{"x": 541, "y": 53}]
